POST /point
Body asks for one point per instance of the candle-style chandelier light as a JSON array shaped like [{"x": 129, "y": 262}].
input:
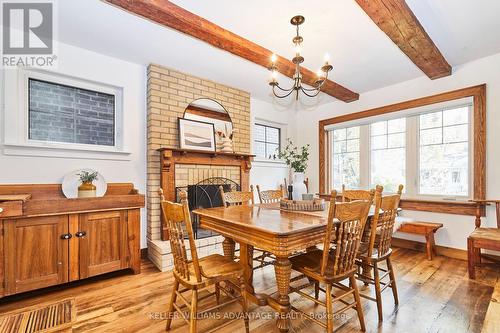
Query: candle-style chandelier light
[{"x": 322, "y": 74}]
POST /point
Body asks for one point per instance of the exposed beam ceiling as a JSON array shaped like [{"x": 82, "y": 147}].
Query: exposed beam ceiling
[
  {"x": 168, "y": 14},
  {"x": 396, "y": 19}
]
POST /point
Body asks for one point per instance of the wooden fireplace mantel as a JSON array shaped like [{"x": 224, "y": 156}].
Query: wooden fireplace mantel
[{"x": 169, "y": 157}]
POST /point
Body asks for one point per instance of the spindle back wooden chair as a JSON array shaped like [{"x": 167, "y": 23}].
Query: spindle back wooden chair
[
  {"x": 237, "y": 198},
  {"x": 244, "y": 198},
  {"x": 195, "y": 274},
  {"x": 267, "y": 197},
  {"x": 381, "y": 229},
  {"x": 270, "y": 196},
  {"x": 352, "y": 195},
  {"x": 336, "y": 262}
]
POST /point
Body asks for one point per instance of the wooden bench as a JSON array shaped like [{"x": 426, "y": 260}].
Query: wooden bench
[{"x": 428, "y": 229}]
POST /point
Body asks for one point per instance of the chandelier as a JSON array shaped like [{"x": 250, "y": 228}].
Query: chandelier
[{"x": 322, "y": 74}]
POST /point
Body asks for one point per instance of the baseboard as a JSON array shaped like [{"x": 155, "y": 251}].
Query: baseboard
[{"x": 440, "y": 250}]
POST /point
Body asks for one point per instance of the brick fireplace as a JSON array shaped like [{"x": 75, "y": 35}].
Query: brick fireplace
[{"x": 169, "y": 93}]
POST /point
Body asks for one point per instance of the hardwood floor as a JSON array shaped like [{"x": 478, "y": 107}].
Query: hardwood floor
[{"x": 435, "y": 296}]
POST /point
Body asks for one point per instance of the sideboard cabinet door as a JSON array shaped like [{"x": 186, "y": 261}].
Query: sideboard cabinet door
[
  {"x": 102, "y": 242},
  {"x": 36, "y": 253}
]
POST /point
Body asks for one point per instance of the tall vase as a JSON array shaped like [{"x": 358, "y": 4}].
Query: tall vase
[{"x": 299, "y": 187}]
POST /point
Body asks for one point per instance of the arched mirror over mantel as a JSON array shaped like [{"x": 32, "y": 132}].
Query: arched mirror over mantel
[{"x": 210, "y": 111}]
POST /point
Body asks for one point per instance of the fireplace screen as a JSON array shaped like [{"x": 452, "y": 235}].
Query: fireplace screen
[{"x": 206, "y": 194}]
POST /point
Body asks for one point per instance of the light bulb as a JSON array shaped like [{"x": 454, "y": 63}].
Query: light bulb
[
  {"x": 274, "y": 58},
  {"x": 327, "y": 58}
]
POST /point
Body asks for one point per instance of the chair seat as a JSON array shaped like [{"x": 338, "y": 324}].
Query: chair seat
[
  {"x": 492, "y": 234},
  {"x": 309, "y": 263},
  {"x": 216, "y": 265}
]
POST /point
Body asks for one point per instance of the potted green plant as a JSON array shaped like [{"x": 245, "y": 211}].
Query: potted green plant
[
  {"x": 296, "y": 158},
  {"x": 87, "y": 189}
]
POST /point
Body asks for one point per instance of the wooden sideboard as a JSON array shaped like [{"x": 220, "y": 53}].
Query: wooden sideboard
[{"x": 47, "y": 239}]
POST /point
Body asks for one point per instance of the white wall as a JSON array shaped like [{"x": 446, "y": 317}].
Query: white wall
[
  {"x": 301, "y": 126},
  {"x": 485, "y": 70},
  {"x": 270, "y": 174},
  {"x": 81, "y": 63}
]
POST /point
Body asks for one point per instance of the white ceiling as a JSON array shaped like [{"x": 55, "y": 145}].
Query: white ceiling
[{"x": 364, "y": 58}]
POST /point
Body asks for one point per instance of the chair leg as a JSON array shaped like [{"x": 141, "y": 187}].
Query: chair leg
[
  {"x": 378, "y": 292},
  {"x": 392, "y": 276},
  {"x": 194, "y": 311},
  {"x": 366, "y": 270},
  {"x": 170, "y": 309},
  {"x": 471, "y": 259},
  {"x": 477, "y": 258},
  {"x": 359, "y": 309},
  {"x": 217, "y": 292},
  {"x": 329, "y": 309},
  {"x": 244, "y": 303},
  {"x": 316, "y": 290}
]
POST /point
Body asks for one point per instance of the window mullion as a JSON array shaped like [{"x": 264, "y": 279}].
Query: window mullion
[
  {"x": 364, "y": 158},
  {"x": 412, "y": 163}
]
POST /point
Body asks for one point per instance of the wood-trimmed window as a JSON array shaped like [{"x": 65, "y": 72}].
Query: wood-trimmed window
[{"x": 425, "y": 122}]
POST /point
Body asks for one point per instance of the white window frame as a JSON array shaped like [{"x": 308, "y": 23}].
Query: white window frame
[
  {"x": 470, "y": 179},
  {"x": 412, "y": 149},
  {"x": 363, "y": 141},
  {"x": 281, "y": 127},
  {"x": 16, "y": 117}
]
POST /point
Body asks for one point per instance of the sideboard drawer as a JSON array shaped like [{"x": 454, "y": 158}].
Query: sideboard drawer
[{"x": 11, "y": 208}]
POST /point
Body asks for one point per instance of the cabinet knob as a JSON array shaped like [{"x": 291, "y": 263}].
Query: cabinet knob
[
  {"x": 66, "y": 236},
  {"x": 80, "y": 234},
  {"x": 1, "y": 209}
]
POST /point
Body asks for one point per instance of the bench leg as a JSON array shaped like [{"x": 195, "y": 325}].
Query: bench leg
[
  {"x": 430, "y": 245},
  {"x": 471, "y": 256}
]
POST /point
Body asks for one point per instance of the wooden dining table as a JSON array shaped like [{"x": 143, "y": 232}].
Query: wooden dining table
[{"x": 267, "y": 228}]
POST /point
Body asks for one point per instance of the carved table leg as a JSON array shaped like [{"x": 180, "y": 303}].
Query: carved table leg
[
  {"x": 228, "y": 247},
  {"x": 283, "y": 269},
  {"x": 246, "y": 259}
]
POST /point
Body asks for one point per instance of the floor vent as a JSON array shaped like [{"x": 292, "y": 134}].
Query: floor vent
[{"x": 46, "y": 318}]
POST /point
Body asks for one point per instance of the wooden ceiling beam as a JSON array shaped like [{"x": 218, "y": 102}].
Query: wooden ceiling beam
[
  {"x": 397, "y": 20},
  {"x": 170, "y": 15}
]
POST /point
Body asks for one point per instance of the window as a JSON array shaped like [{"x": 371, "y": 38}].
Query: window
[
  {"x": 428, "y": 151},
  {"x": 267, "y": 141},
  {"x": 346, "y": 157},
  {"x": 60, "y": 113},
  {"x": 52, "y": 114},
  {"x": 444, "y": 152},
  {"x": 388, "y": 154}
]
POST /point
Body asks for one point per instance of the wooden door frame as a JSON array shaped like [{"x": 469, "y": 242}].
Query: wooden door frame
[{"x": 478, "y": 93}]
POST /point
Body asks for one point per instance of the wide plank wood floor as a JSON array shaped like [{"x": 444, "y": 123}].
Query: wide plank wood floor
[{"x": 435, "y": 296}]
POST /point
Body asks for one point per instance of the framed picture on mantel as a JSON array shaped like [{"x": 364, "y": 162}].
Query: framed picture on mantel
[{"x": 196, "y": 135}]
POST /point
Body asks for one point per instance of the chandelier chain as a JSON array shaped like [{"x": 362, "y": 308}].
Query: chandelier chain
[{"x": 297, "y": 77}]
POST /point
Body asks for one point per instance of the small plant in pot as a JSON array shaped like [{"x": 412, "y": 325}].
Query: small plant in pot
[
  {"x": 296, "y": 158},
  {"x": 87, "y": 189}
]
